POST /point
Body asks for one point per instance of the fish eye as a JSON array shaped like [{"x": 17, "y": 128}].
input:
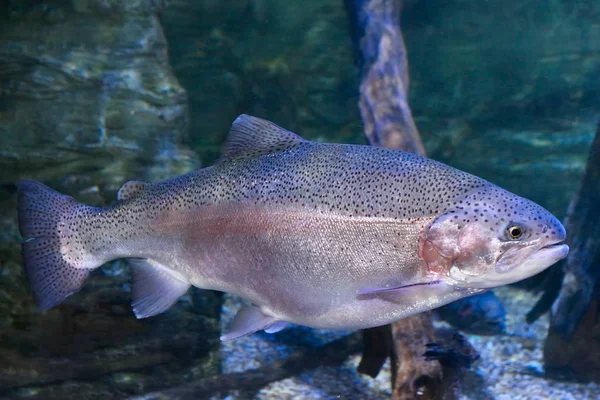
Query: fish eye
[{"x": 515, "y": 232}]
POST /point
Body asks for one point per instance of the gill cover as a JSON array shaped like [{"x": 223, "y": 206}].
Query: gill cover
[{"x": 447, "y": 243}]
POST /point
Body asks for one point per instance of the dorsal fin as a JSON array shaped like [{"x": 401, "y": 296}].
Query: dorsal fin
[
  {"x": 250, "y": 136},
  {"x": 129, "y": 189}
]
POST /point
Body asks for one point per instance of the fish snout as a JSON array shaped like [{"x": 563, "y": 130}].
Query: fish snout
[
  {"x": 554, "y": 232},
  {"x": 561, "y": 232}
]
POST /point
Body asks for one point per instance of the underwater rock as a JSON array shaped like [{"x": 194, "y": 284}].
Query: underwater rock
[
  {"x": 88, "y": 100},
  {"x": 573, "y": 341},
  {"x": 576, "y": 357},
  {"x": 203, "y": 38},
  {"x": 87, "y": 97},
  {"x": 482, "y": 314}
]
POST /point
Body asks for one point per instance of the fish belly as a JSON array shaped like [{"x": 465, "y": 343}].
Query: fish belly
[{"x": 299, "y": 266}]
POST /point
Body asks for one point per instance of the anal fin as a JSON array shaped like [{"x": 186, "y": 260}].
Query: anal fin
[
  {"x": 155, "y": 288},
  {"x": 248, "y": 320}
]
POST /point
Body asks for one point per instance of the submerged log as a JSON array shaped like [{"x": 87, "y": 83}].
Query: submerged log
[
  {"x": 456, "y": 355},
  {"x": 415, "y": 376},
  {"x": 573, "y": 340},
  {"x": 389, "y": 123},
  {"x": 384, "y": 68}
]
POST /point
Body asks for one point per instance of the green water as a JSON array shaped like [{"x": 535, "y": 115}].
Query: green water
[{"x": 97, "y": 92}]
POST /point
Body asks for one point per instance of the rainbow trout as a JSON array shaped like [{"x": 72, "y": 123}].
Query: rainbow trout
[{"x": 323, "y": 235}]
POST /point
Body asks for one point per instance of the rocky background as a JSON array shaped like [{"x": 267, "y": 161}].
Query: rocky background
[
  {"x": 88, "y": 99},
  {"x": 95, "y": 92}
]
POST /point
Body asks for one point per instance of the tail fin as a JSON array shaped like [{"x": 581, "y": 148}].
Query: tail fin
[{"x": 53, "y": 252}]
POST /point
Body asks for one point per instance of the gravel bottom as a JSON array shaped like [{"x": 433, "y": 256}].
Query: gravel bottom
[{"x": 511, "y": 365}]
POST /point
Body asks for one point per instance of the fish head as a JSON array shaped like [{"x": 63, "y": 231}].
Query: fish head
[{"x": 491, "y": 237}]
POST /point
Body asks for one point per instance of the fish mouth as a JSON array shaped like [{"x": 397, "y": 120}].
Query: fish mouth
[
  {"x": 540, "y": 260},
  {"x": 533, "y": 264},
  {"x": 556, "y": 251}
]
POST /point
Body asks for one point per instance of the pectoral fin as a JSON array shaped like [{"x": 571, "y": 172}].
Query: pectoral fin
[
  {"x": 394, "y": 294},
  {"x": 277, "y": 327},
  {"x": 248, "y": 320},
  {"x": 155, "y": 288}
]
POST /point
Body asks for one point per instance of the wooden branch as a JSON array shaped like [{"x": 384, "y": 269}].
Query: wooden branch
[
  {"x": 389, "y": 123},
  {"x": 384, "y": 89},
  {"x": 415, "y": 375}
]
